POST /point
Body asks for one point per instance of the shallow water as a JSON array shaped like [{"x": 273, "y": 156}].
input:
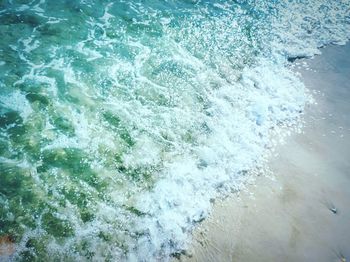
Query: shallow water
[{"x": 120, "y": 121}]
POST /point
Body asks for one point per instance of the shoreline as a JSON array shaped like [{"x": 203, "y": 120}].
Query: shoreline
[{"x": 300, "y": 212}]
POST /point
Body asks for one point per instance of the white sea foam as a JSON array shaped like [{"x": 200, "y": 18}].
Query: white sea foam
[
  {"x": 17, "y": 101},
  {"x": 237, "y": 142},
  {"x": 171, "y": 117}
]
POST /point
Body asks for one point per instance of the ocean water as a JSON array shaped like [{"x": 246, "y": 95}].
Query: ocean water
[{"x": 120, "y": 121}]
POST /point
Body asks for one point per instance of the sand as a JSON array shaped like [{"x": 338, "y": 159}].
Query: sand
[{"x": 302, "y": 211}]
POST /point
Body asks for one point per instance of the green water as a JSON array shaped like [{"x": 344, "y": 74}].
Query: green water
[{"x": 98, "y": 99}]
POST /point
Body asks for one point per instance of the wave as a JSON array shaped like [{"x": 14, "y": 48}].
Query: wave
[{"x": 121, "y": 121}]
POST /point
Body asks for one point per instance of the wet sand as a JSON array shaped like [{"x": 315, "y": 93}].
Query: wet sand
[{"x": 301, "y": 211}]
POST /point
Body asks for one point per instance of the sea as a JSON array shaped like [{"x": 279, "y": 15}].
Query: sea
[{"x": 122, "y": 121}]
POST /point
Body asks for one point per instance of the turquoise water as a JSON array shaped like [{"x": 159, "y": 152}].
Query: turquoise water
[{"x": 121, "y": 120}]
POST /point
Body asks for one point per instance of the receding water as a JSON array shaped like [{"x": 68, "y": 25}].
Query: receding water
[{"x": 121, "y": 120}]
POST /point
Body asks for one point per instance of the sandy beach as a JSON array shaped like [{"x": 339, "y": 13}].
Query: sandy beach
[{"x": 300, "y": 211}]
